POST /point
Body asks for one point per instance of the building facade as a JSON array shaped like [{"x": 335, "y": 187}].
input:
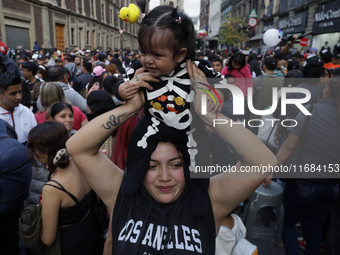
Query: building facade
[
  {"x": 88, "y": 24},
  {"x": 318, "y": 20}
]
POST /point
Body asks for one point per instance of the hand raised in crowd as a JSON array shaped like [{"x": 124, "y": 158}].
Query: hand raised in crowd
[{"x": 198, "y": 78}]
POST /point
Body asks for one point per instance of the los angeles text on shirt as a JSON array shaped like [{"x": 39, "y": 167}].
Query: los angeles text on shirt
[{"x": 156, "y": 235}]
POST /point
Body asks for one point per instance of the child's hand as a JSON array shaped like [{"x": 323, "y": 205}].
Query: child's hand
[
  {"x": 143, "y": 78},
  {"x": 127, "y": 90}
]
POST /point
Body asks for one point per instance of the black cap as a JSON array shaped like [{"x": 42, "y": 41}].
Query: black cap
[
  {"x": 270, "y": 63},
  {"x": 41, "y": 57},
  {"x": 234, "y": 49},
  {"x": 280, "y": 55}
]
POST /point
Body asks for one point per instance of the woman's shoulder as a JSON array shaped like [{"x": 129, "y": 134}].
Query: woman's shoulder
[{"x": 40, "y": 117}]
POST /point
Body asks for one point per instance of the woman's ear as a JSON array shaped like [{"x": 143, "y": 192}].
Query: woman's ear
[{"x": 181, "y": 55}]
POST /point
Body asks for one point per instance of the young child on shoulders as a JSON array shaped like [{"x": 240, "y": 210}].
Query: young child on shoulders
[{"x": 167, "y": 41}]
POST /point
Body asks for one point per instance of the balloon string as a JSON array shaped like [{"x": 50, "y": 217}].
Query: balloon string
[{"x": 264, "y": 54}]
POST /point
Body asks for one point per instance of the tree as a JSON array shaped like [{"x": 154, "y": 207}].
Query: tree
[{"x": 231, "y": 31}]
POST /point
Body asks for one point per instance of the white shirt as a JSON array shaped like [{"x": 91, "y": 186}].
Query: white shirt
[{"x": 22, "y": 120}]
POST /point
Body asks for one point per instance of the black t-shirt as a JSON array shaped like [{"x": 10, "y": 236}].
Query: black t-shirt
[{"x": 140, "y": 225}]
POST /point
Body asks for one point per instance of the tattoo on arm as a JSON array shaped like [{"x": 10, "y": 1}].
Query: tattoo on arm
[{"x": 113, "y": 121}]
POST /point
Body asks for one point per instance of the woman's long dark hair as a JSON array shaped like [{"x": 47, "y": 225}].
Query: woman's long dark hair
[
  {"x": 48, "y": 138},
  {"x": 238, "y": 57}
]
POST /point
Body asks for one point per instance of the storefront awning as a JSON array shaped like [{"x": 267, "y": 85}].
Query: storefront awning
[{"x": 256, "y": 37}]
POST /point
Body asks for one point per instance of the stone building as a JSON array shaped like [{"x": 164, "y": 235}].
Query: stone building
[
  {"x": 173, "y": 3},
  {"x": 64, "y": 24}
]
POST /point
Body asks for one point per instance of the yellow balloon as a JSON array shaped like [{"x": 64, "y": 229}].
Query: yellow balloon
[{"x": 129, "y": 14}]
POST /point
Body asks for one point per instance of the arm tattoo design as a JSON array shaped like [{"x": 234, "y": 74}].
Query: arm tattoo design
[{"x": 113, "y": 121}]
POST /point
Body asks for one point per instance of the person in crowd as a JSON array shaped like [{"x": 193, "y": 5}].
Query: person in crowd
[
  {"x": 69, "y": 65},
  {"x": 99, "y": 102},
  {"x": 11, "y": 110},
  {"x": 238, "y": 67},
  {"x": 9, "y": 64},
  {"x": 41, "y": 60},
  {"x": 162, "y": 194},
  {"x": 254, "y": 65},
  {"x": 58, "y": 75},
  {"x": 63, "y": 113},
  {"x": 83, "y": 79},
  {"x": 28, "y": 72},
  {"x": 97, "y": 81},
  {"x": 15, "y": 177},
  {"x": 36, "y": 47},
  {"x": 299, "y": 58},
  {"x": 217, "y": 65},
  {"x": 54, "y": 55},
  {"x": 327, "y": 59},
  {"x": 42, "y": 73},
  {"x": 263, "y": 85},
  {"x": 119, "y": 65},
  {"x": 312, "y": 198},
  {"x": 101, "y": 59},
  {"x": 52, "y": 93},
  {"x": 108, "y": 84},
  {"x": 293, "y": 64},
  {"x": 66, "y": 197},
  {"x": 282, "y": 63},
  {"x": 112, "y": 69},
  {"x": 315, "y": 77},
  {"x": 77, "y": 62}
]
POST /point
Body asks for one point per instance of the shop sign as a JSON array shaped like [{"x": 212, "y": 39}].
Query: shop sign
[
  {"x": 327, "y": 18},
  {"x": 267, "y": 25},
  {"x": 296, "y": 23}
]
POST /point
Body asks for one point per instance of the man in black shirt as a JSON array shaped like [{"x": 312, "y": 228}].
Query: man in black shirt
[
  {"x": 83, "y": 79},
  {"x": 28, "y": 71}
]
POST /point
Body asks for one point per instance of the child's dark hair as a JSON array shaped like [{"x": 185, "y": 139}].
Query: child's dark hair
[
  {"x": 48, "y": 138},
  {"x": 58, "y": 107},
  {"x": 159, "y": 22},
  {"x": 238, "y": 57}
]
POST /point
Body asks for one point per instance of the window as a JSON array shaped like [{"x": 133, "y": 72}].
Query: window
[
  {"x": 72, "y": 36},
  {"x": 98, "y": 43},
  {"x": 171, "y": 4},
  {"x": 92, "y": 9},
  {"x": 80, "y": 10},
  {"x": 59, "y": 3},
  {"x": 111, "y": 16},
  {"x": 87, "y": 37},
  {"x": 103, "y": 12},
  {"x": 116, "y": 20}
]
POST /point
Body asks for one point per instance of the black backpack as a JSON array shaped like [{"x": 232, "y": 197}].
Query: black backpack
[{"x": 15, "y": 170}]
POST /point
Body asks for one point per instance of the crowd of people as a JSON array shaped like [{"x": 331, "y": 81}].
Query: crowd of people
[{"x": 109, "y": 139}]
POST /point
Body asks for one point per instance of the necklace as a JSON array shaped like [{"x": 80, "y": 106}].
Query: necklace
[{"x": 54, "y": 172}]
